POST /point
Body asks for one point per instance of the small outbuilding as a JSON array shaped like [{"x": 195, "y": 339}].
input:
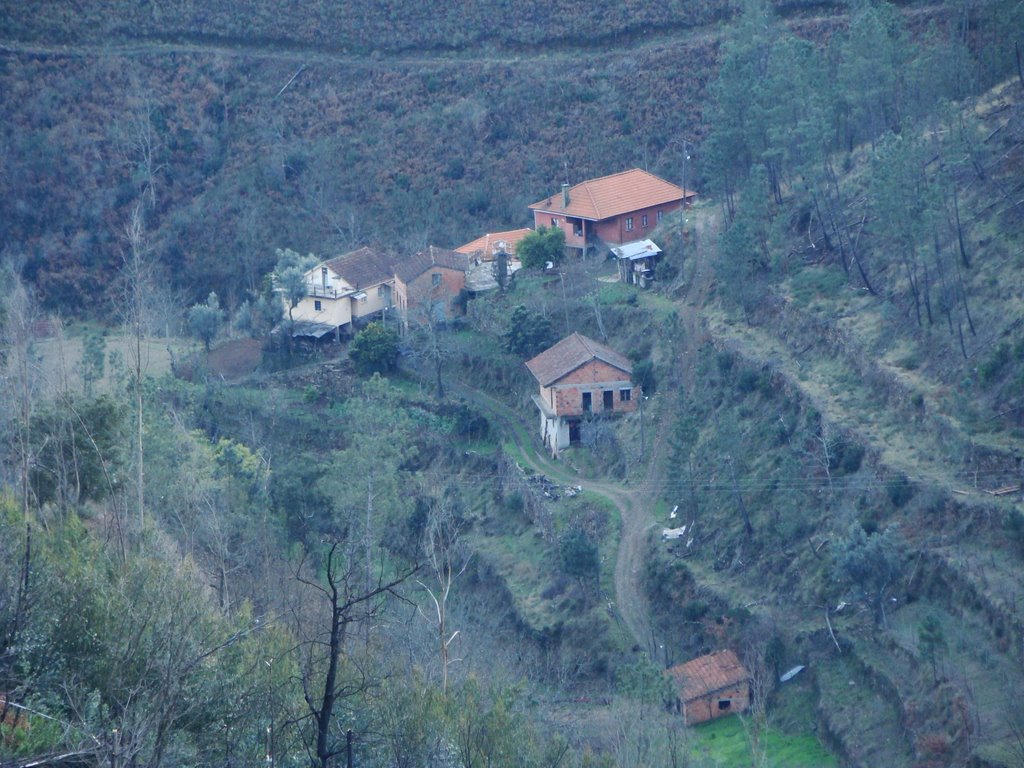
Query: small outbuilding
[
  {"x": 636, "y": 262},
  {"x": 710, "y": 686}
]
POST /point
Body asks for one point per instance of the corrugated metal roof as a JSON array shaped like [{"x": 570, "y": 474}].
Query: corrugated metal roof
[
  {"x": 707, "y": 674},
  {"x": 311, "y": 329},
  {"x": 602, "y": 198},
  {"x": 641, "y": 249},
  {"x": 569, "y": 354}
]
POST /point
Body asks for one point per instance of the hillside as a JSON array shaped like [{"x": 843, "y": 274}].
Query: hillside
[
  {"x": 209, "y": 560},
  {"x": 877, "y": 455},
  {"x": 237, "y": 146}
]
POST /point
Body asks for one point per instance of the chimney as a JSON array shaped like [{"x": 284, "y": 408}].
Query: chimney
[{"x": 565, "y": 196}]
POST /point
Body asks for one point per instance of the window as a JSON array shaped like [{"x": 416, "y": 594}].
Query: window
[
  {"x": 586, "y": 402},
  {"x": 608, "y": 399},
  {"x": 577, "y": 228},
  {"x": 660, "y": 215},
  {"x": 643, "y": 221},
  {"x": 629, "y": 223},
  {"x": 380, "y": 291},
  {"x": 724, "y": 703},
  {"x": 317, "y": 305},
  {"x": 435, "y": 279},
  {"x": 625, "y": 395},
  {"x": 554, "y": 222}
]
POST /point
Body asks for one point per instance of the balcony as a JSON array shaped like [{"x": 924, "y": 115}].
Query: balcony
[{"x": 325, "y": 291}]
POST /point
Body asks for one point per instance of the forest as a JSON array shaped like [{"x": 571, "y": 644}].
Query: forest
[{"x": 221, "y": 546}]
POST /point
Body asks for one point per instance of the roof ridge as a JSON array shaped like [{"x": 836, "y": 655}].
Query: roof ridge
[{"x": 593, "y": 201}]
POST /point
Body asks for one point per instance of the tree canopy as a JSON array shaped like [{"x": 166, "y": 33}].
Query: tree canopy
[
  {"x": 375, "y": 349},
  {"x": 541, "y": 246}
]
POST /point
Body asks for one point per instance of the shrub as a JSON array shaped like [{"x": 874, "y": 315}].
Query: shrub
[
  {"x": 375, "y": 349},
  {"x": 989, "y": 370},
  {"x": 900, "y": 491},
  {"x": 747, "y": 381}
]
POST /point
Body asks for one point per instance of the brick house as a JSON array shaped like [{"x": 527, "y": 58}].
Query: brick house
[
  {"x": 579, "y": 378},
  {"x": 429, "y": 283},
  {"x": 612, "y": 210},
  {"x": 710, "y": 686}
]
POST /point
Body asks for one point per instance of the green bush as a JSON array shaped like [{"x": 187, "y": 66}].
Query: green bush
[
  {"x": 990, "y": 370},
  {"x": 375, "y": 349},
  {"x": 900, "y": 491}
]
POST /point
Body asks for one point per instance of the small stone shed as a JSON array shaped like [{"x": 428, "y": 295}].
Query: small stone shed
[{"x": 710, "y": 686}]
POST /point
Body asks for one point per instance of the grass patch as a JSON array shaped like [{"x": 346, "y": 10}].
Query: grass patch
[
  {"x": 813, "y": 283},
  {"x": 724, "y": 743}
]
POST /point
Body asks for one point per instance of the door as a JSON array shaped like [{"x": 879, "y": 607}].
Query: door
[{"x": 609, "y": 399}]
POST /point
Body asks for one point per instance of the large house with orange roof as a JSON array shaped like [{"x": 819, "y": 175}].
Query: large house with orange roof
[{"x": 616, "y": 209}]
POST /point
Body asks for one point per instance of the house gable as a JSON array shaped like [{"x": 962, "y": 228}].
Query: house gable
[{"x": 557, "y": 362}]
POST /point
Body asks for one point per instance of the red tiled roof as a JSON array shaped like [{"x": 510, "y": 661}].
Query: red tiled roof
[
  {"x": 608, "y": 196},
  {"x": 569, "y": 354},
  {"x": 414, "y": 266},
  {"x": 363, "y": 268},
  {"x": 707, "y": 674},
  {"x": 491, "y": 243}
]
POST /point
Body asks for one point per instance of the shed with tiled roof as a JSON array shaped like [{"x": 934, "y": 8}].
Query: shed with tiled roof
[{"x": 711, "y": 686}]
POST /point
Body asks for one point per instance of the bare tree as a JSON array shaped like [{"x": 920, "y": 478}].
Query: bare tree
[
  {"x": 447, "y": 557},
  {"x": 140, "y": 146},
  {"x": 762, "y": 682},
  {"x": 135, "y": 275},
  {"x": 343, "y": 594}
]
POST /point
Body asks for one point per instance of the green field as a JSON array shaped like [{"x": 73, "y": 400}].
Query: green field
[{"x": 725, "y": 743}]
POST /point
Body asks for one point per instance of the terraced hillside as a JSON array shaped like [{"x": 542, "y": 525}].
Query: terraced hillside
[{"x": 878, "y": 464}]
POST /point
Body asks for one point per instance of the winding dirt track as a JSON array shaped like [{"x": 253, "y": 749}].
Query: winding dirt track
[{"x": 635, "y": 504}]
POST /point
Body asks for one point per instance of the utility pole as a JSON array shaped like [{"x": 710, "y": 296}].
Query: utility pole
[{"x": 686, "y": 146}]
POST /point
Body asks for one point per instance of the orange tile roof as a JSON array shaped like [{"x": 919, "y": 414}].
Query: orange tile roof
[
  {"x": 489, "y": 244},
  {"x": 569, "y": 354},
  {"x": 707, "y": 674},
  {"x": 613, "y": 195}
]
